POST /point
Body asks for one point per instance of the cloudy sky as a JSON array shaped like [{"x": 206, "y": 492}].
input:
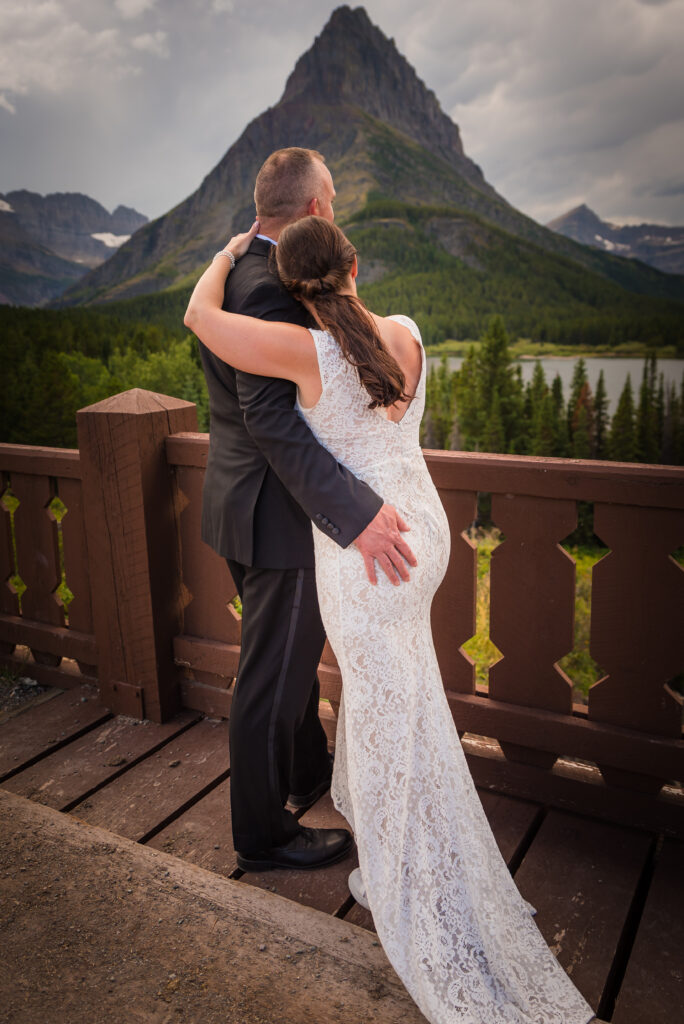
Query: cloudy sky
[{"x": 559, "y": 101}]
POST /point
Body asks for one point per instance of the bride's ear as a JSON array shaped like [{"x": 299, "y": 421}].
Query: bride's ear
[{"x": 355, "y": 269}]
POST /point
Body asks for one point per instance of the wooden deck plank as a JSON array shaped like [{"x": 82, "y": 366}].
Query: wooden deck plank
[
  {"x": 139, "y": 801},
  {"x": 26, "y": 736},
  {"x": 324, "y": 889},
  {"x": 581, "y": 875},
  {"x": 202, "y": 835},
  {"x": 68, "y": 774},
  {"x": 653, "y": 986}
]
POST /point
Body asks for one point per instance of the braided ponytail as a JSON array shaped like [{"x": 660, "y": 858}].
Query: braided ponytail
[{"x": 314, "y": 261}]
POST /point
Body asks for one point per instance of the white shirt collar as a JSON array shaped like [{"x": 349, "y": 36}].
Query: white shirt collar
[{"x": 266, "y": 238}]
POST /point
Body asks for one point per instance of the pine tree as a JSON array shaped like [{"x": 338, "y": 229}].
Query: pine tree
[
  {"x": 660, "y": 415},
  {"x": 546, "y": 426},
  {"x": 579, "y": 379},
  {"x": 580, "y": 398},
  {"x": 521, "y": 425},
  {"x": 494, "y": 435},
  {"x": 601, "y": 420},
  {"x": 678, "y": 431},
  {"x": 561, "y": 443},
  {"x": 496, "y": 377},
  {"x": 538, "y": 386},
  {"x": 581, "y": 435},
  {"x": 670, "y": 426},
  {"x": 648, "y": 448},
  {"x": 467, "y": 402},
  {"x": 623, "y": 443},
  {"x": 583, "y": 424},
  {"x": 440, "y": 402}
]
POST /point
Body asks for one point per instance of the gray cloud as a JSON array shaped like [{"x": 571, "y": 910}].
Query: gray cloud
[{"x": 136, "y": 101}]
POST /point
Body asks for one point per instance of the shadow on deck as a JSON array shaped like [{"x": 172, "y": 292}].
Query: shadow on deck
[{"x": 609, "y": 898}]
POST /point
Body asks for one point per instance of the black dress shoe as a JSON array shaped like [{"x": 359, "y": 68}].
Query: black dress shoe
[
  {"x": 303, "y": 800},
  {"x": 310, "y": 848}
]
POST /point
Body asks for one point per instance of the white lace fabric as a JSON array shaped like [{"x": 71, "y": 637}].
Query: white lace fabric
[{"x": 446, "y": 909}]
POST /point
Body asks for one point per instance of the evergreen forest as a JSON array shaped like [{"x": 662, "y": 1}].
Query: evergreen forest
[
  {"x": 485, "y": 406},
  {"x": 58, "y": 361}
]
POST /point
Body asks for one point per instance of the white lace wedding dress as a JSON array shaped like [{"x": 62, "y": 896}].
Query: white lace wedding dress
[{"x": 446, "y": 909}]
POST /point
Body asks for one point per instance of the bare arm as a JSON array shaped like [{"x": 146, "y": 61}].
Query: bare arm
[
  {"x": 286, "y": 351},
  {"x": 251, "y": 345}
]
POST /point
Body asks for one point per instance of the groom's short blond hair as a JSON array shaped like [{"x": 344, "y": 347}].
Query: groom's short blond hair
[{"x": 287, "y": 182}]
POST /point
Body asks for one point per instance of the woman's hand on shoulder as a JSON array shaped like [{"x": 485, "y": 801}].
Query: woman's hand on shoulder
[{"x": 239, "y": 244}]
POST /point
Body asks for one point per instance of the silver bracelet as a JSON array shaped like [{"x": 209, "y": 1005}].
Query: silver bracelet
[{"x": 228, "y": 253}]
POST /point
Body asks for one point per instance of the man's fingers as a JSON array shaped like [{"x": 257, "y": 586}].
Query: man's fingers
[
  {"x": 402, "y": 524},
  {"x": 400, "y": 565},
  {"x": 403, "y": 549},
  {"x": 370, "y": 567},
  {"x": 386, "y": 564}
]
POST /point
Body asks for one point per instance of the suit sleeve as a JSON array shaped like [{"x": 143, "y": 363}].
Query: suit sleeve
[{"x": 336, "y": 501}]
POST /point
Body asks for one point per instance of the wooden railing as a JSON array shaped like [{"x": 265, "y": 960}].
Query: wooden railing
[{"x": 152, "y": 620}]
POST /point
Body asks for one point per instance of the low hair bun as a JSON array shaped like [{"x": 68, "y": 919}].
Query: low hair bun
[
  {"x": 314, "y": 261},
  {"x": 311, "y": 288}
]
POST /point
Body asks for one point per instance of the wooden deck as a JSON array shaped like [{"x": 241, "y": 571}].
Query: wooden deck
[{"x": 610, "y": 899}]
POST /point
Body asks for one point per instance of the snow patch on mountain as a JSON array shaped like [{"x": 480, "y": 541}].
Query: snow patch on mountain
[{"x": 113, "y": 241}]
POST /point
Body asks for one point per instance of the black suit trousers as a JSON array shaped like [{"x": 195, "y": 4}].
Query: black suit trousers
[{"x": 277, "y": 743}]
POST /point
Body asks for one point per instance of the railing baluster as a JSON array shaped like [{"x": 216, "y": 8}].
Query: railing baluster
[
  {"x": 37, "y": 555},
  {"x": 9, "y": 602},
  {"x": 208, "y": 586},
  {"x": 532, "y": 608},
  {"x": 76, "y": 560},
  {"x": 637, "y": 625},
  {"x": 455, "y": 604}
]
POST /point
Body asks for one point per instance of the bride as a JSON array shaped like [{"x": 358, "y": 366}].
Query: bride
[{"x": 445, "y": 907}]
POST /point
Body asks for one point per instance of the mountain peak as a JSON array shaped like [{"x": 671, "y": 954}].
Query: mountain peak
[
  {"x": 581, "y": 216},
  {"x": 659, "y": 245},
  {"x": 354, "y": 62}
]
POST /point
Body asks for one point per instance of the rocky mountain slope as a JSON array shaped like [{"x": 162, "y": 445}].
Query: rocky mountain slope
[
  {"x": 48, "y": 242},
  {"x": 353, "y": 97},
  {"x": 655, "y": 244}
]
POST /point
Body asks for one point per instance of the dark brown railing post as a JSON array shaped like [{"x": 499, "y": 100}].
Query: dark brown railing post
[{"x": 131, "y": 528}]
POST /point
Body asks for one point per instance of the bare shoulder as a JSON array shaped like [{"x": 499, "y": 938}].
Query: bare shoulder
[{"x": 401, "y": 343}]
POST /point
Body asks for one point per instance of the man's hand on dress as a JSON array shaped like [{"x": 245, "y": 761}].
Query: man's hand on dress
[{"x": 381, "y": 541}]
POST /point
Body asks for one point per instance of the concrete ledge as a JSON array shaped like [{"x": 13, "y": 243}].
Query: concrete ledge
[{"x": 96, "y": 928}]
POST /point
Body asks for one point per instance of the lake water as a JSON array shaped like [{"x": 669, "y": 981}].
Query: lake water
[{"x": 614, "y": 371}]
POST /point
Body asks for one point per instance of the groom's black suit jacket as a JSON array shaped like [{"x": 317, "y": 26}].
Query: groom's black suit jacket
[{"x": 267, "y": 476}]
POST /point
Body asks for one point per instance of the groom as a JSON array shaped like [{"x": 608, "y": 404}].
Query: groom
[{"x": 267, "y": 479}]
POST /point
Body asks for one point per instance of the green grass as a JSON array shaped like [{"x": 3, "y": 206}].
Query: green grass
[{"x": 525, "y": 347}]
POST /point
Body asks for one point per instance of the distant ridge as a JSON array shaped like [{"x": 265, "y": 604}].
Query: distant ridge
[
  {"x": 404, "y": 185},
  {"x": 47, "y": 242},
  {"x": 659, "y": 246}
]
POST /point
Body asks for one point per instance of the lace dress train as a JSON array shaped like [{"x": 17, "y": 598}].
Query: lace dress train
[{"x": 446, "y": 909}]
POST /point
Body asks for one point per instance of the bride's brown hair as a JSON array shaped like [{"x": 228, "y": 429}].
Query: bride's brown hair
[{"x": 314, "y": 260}]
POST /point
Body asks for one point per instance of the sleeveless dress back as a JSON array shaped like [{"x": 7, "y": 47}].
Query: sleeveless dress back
[{"x": 446, "y": 909}]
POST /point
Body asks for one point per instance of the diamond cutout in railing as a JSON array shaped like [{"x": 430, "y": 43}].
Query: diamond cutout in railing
[
  {"x": 586, "y": 550},
  {"x": 57, "y": 509},
  {"x": 235, "y": 608},
  {"x": 11, "y": 503},
  {"x": 63, "y": 594},
  {"x": 480, "y": 647}
]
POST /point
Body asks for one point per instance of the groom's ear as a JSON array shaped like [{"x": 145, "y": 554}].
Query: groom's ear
[{"x": 312, "y": 208}]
